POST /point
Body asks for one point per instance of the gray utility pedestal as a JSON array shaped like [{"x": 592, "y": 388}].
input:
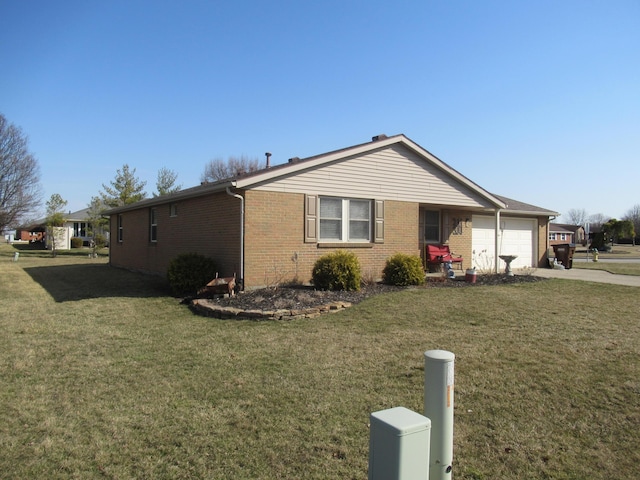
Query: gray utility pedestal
[{"x": 399, "y": 442}]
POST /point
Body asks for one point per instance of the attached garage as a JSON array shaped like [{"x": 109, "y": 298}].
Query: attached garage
[{"x": 517, "y": 236}]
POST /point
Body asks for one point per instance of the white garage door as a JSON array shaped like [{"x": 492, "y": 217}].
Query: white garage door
[{"x": 517, "y": 238}]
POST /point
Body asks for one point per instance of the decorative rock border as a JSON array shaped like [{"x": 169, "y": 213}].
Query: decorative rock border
[{"x": 209, "y": 309}]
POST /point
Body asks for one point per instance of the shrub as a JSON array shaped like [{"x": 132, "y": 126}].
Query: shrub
[
  {"x": 76, "y": 242},
  {"x": 339, "y": 270},
  {"x": 99, "y": 240},
  {"x": 189, "y": 272},
  {"x": 402, "y": 270}
]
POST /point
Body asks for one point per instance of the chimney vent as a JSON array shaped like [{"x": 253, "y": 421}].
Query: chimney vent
[
  {"x": 382, "y": 136},
  {"x": 294, "y": 159},
  {"x": 268, "y": 155}
]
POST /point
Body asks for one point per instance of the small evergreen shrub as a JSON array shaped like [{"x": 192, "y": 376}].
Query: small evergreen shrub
[
  {"x": 76, "y": 242},
  {"x": 403, "y": 270},
  {"x": 189, "y": 272},
  {"x": 339, "y": 270}
]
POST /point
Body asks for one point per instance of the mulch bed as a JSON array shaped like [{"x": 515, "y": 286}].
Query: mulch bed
[{"x": 306, "y": 297}]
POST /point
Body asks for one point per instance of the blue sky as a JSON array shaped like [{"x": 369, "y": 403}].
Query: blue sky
[{"x": 537, "y": 101}]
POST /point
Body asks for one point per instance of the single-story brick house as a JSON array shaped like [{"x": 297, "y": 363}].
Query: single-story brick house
[
  {"x": 560, "y": 233},
  {"x": 375, "y": 199}
]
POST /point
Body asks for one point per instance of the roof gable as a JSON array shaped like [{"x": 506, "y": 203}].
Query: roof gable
[{"x": 390, "y": 167}]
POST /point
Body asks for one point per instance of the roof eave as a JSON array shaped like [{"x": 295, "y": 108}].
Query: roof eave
[{"x": 194, "y": 192}]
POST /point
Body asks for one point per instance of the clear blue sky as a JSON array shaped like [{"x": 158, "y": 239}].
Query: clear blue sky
[{"x": 537, "y": 101}]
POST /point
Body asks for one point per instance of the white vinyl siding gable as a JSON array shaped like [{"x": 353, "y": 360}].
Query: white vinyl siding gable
[{"x": 392, "y": 173}]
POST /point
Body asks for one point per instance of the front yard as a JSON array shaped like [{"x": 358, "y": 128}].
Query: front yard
[{"x": 105, "y": 375}]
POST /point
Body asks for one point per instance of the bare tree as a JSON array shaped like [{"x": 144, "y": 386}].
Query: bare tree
[
  {"x": 55, "y": 220},
  {"x": 218, "y": 169},
  {"x": 20, "y": 191},
  {"x": 598, "y": 219},
  {"x": 126, "y": 188},
  {"x": 577, "y": 216},
  {"x": 166, "y": 182}
]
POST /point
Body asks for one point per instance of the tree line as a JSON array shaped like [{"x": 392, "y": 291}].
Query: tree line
[{"x": 608, "y": 229}]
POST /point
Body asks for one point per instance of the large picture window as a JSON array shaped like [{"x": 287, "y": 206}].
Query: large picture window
[{"x": 345, "y": 220}]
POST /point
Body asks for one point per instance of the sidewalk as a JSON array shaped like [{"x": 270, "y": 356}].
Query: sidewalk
[{"x": 587, "y": 275}]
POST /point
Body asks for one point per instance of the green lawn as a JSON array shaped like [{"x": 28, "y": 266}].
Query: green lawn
[{"x": 103, "y": 375}]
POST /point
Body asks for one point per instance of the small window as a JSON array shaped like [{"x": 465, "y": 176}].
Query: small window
[
  {"x": 153, "y": 223},
  {"x": 345, "y": 220},
  {"x": 552, "y": 236},
  {"x": 173, "y": 210},
  {"x": 120, "y": 229},
  {"x": 432, "y": 226}
]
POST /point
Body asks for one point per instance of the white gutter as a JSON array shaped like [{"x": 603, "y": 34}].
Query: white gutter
[{"x": 241, "y": 235}]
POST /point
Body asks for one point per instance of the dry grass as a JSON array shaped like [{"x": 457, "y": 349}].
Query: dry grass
[{"x": 104, "y": 376}]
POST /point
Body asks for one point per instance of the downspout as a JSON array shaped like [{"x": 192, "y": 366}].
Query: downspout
[
  {"x": 496, "y": 243},
  {"x": 241, "y": 198}
]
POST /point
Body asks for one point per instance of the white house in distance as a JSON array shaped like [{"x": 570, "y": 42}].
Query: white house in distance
[{"x": 76, "y": 225}]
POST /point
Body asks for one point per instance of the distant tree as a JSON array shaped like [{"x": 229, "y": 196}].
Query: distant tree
[
  {"x": 125, "y": 189},
  {"x": 616, "y": 229},
  {"x": 55, "y": 220},
  {"x": 596, "y": 221},
  {"x": 20, "y": 192},
  {"x": 98, "y": 224},
  {"x": 218, "y": 169},
  {"x": 166, "y": 182},
  {"x": 577, "y": 216},
  {"x": 633, "y": 215}
]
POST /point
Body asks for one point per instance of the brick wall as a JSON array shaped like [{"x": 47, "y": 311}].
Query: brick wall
[
  {"x": 275, "y": 249},
  {"x": 543, "y": 239},
  {"x": 207, "y": 225}
]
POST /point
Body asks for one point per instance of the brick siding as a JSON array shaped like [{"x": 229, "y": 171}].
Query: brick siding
[
  {"x": 208, "y": 225},
  {"x": 275, "y": 249}
]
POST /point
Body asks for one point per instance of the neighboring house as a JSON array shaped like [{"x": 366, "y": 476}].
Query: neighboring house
[
  {"x": 564, "y": 233},
  {"x": 375, "y": 199},
  {"x": 76, "y": 225}
]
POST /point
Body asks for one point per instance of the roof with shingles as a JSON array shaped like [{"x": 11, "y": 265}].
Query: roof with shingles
[{"x": 515, "y": 206}]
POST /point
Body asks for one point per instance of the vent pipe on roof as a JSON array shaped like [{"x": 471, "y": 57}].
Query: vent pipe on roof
[
  {"x": 268, "y": 155},
  {"x": 382, "y": 136}
]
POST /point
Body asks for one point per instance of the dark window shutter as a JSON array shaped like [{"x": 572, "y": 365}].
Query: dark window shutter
[
  {"x": 311, "y": 219},
  {"x": 378, "y": 236}
]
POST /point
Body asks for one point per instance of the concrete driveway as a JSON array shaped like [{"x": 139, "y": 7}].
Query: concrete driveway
[{"x": 589, "y": 276}]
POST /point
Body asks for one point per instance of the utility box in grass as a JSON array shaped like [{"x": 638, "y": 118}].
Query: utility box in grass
[{"x": 399, "y": 443}]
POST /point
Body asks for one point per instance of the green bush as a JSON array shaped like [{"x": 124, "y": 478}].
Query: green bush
[
  {"x": 99, "y": 240},
  {"x": 189, "y": 272},
  {"x": 76, "y": 242},
  {"x": 339, "y": 270},
  {"x": 402, "y": 270}
]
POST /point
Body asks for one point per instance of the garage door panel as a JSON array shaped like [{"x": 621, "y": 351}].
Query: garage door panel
[{"x": 517, "y": 238}]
